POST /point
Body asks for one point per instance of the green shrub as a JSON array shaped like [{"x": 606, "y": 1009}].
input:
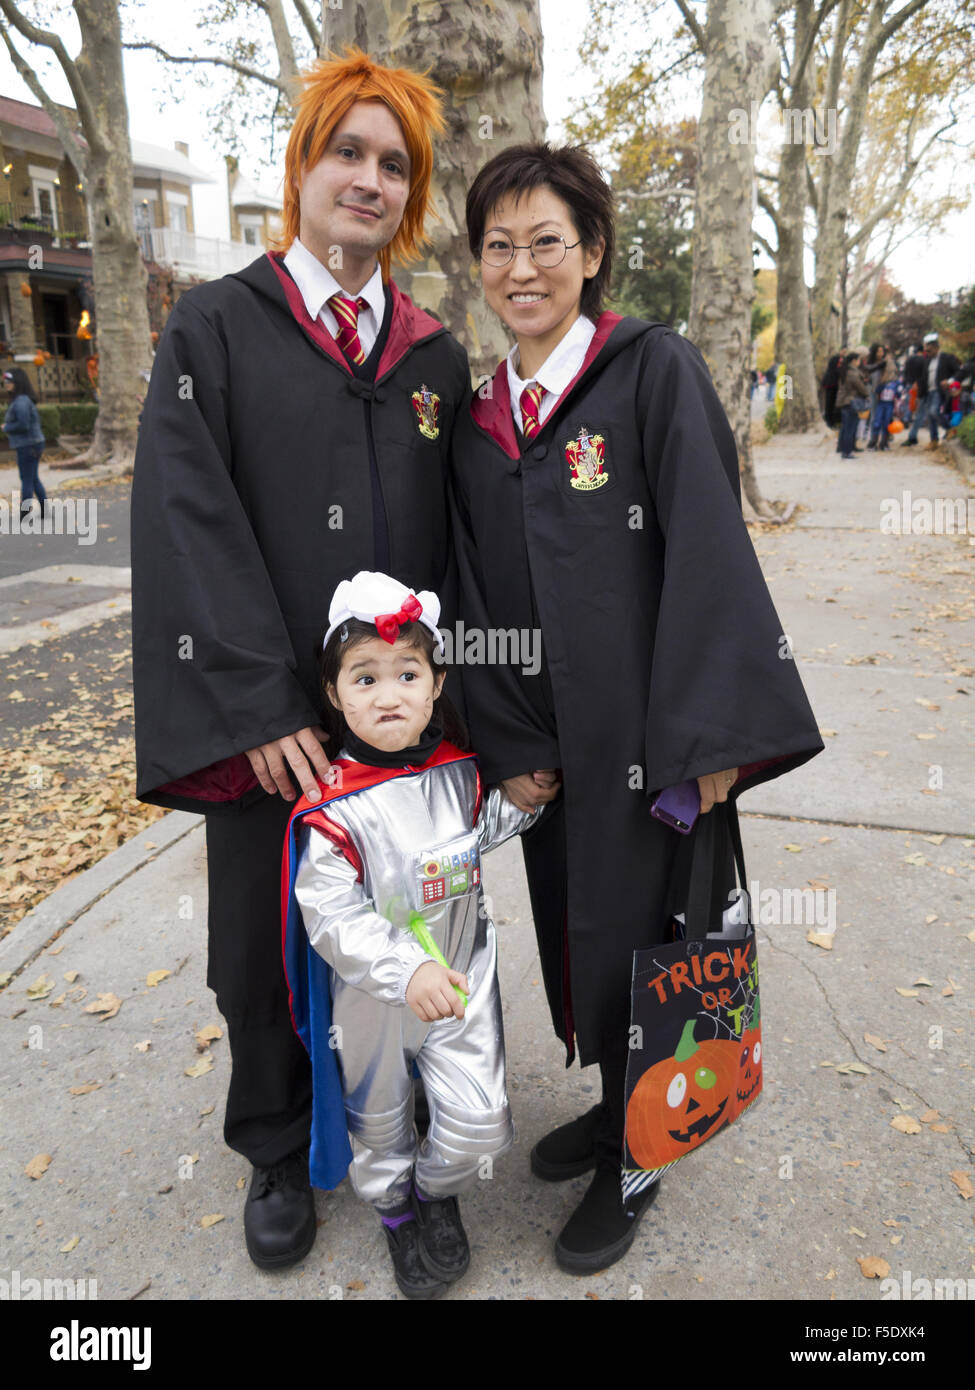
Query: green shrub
[
  {"x": 50, "y": 421},
  {"x": 966, "y": 431},
  {"x": 79, "y": 419},
  {"x": 771, "y": 420}
]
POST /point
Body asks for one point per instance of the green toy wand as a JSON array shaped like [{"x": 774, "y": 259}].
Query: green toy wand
[{"x": 421, "y": 931}]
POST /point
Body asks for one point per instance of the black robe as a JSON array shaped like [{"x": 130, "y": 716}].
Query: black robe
[
  {"x": 266, "y": 472},
  {"x": 663, "y": 655}
]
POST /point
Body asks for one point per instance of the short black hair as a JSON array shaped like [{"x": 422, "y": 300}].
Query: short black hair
[
  {"x": 353, "y": 633},
  {"x": 574, "y": 176},
  {"x": 23, "y": 386}
]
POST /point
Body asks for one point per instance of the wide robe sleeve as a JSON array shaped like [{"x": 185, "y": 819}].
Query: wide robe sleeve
[
  {"x": 724, "y": 689},
  {"x": 213, "y": 666}
]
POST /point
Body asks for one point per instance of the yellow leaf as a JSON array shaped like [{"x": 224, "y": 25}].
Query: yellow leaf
[
  {"x": 906, "y": 993},
  {"x": 873, "y": 1266},
  {"x": 66, "y": 1249},
  {"x": 856, "y": 1067},
  {"x": 828, "y": 733},
  {"x": 931, "y": 917},
  {"x": 241, "y": 1184},
  {"x": 155, "y": 977},
  {"x": 923, "y": 980},
  {"x": 796, "y": 849},
  {"x": 905, "y": 1124},
  {"x": 41, "y": 988},
  {"x": 941, "y": 1129},
  {"x": 38, "y": 1165},
  {"x": 891, "y": 1222},
  {"x": 925, "y": 735},
  {"x": 934, "y": 839},
  {"x": 107, "y": 1005},
  {"x": 822, "y": 939},
  {"x": 205, "y": 1036},
  {"x": 853, "y": 1231},
  {"x": 86, "y": 1089},
  {"x": 830, "y": 1275},
  {"x": 896, "y": 1240},
  {"x": 971, "y": 936},
  {"x": 200, "y": 1067},
  {"x": 143, "y": 1046},
  {"x": 963, "y": 1182},
  {"x": 874, "y": 1041},
  {"x": 207, "y": 1221},
  {"x": 71, "y": 976}
]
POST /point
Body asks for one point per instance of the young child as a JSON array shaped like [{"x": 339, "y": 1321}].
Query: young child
[{"x": 392, "y": 848}]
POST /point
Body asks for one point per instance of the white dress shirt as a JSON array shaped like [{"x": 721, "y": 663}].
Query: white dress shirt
[
  {"x": 562, "y": 364},
  {"x": 317, "y": 285}
]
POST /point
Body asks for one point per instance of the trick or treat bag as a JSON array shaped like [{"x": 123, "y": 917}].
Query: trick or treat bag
[{"x": 695, "y": 1060}]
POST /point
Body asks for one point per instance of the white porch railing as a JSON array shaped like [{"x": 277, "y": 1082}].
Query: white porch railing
[{"x": 204, "y": 256}]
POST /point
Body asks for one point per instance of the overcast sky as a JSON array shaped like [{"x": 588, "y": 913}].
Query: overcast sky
[{"x": 921, "y": 269}]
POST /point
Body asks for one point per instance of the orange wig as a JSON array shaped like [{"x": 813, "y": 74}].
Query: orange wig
[{"x": 331, "y": 87}]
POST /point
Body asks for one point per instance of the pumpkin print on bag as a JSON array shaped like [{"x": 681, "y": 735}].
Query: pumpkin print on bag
[
  {"x": 749, "y": 1078},
  {"x": 683, "y": 1100}
]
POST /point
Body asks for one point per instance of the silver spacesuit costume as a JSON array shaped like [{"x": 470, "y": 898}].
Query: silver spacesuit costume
[{"x": 419, "y": 850}]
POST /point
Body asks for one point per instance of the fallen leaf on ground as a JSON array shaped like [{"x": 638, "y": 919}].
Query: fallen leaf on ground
[
  {"x": 207, "y": 1035},
  {"x": 896, "y": 1240},
  {"x": 856, "y": 1067},
  {"x": 66, "y": 1249},
  {"x": 201, "y": 1067},
  {"x": 207, "y": 1221},
  {"x": 891, "y": 1221},
  {"x": 873, "y": 1266},
  {"x": 906, "y": 993},
  {"x": 796, "y": 849},
  {"x": 208, "y": 1110},
  {"x": 156, "y": 976},
  {"x": 916, "y": 858},
  {"x": 241, "y": 1184},
  {"x": 971, "y": 936},
  {"x": 941, "y": 1128},
  {"x": 930, "y": 1115},
  {"x": 824, "y": 940},
  {"x": 355, "y": 1284},
  {"x": 41, "y": 988},
  {"x": 931, "y": 917},
  {"x": 905, "y": 1124},
  {"x": 107, "y": 1005},
  {"x": 963, "y": 1182},
  {"x": 854, "y": 1231},
  {"x": 934, "y": 839},
  {"x": 852, "y": 1162},
  {"x": 86, "y": 1089},
  {"x": 923, "y": 980},
  {"x": 71, "y": 976},
  {"x": 38, "y": 1165},
  {"x": 143, "y": 1046},
  {"x": 874, "y": 1041},
  {"x": 828, "y": 733}
]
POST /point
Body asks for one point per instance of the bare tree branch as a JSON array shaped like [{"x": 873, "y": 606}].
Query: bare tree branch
[
  {"x": 757, "y": 236},
  {"x": 51, "y": 40},
  {"x": 231, "y": 63},
  {"x": 72, "y": 146},
  {"x": 766, "y": 204},
  {"x": 802, "y": 58},
  {"x": 311, "y": 28},
  {"x": 693, "y": 25},
  {"x": 811, "y": 194},
  {"x": 899, "y": 18}
]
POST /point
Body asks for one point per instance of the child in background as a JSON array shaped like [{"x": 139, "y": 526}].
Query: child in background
[{"x": 385, "y": 920}]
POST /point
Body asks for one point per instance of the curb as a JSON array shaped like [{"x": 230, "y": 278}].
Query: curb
[{"x": 65, "y": 905}]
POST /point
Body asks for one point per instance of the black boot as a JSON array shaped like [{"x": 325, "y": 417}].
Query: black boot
[
  {"x": 569, "y": 1150},
  {"x": 443, "y": 1241},
  {"x": 600, "y": 1231},
  {"x": 413, "y": 1279},
  {"x": 279, "y": 1215}
]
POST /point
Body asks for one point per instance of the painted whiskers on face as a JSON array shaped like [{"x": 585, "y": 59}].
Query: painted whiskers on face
[{"x": 386, "y": 692}]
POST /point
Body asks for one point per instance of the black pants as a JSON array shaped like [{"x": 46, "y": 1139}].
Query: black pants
[{"x": 268, "y": 1112}]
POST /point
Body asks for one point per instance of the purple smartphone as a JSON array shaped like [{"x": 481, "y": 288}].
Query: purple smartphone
[{"x": 678, "y": 806}]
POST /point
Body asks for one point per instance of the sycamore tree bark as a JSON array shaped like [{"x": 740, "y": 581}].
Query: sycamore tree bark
[
  {"x": 103, "y": 159},
  {"x": 488, "y": 60},
  {"x": 739, "y": 70}
]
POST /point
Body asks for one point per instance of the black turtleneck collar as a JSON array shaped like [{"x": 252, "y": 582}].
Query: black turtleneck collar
[{"x": 362, "y": 752}]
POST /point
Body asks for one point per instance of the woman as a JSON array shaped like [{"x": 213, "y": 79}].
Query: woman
[
  {"x": 851, "y": 398},
  {"x": 596, "y": 504},
  {"x": 828, "y": 387},
  {"x": 22, "y": 425}
]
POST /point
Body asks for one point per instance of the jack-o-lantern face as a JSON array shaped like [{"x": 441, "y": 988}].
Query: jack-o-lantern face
[
  {"x": 681, "y": 1101},
  {"x": 749, "y": 1080}
]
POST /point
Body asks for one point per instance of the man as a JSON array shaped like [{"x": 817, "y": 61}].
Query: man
[
  {"x": 295, "y": 432},
  {"x": 936, "y": 368}
]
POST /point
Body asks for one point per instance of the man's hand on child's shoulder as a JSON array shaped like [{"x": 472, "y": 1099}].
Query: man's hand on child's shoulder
[{"x": 430, "y": 993}]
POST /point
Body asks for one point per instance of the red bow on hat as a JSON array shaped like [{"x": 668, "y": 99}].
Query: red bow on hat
[{"x": 389, "y": 624}]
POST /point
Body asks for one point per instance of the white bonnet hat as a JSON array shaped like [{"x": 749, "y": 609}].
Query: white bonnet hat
[{"x": 376, "y": 598}]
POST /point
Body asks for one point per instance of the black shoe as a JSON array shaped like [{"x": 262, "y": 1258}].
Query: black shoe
[
  {"x": 599, "y": 1232},
  {"x": 908, "y": 441},
  {"x": 413, "y": 1279},
  {"x": 443, "y": 1241},
  {"x": 569, "y": 1150},
  {"x": 279, "y": 1214}
]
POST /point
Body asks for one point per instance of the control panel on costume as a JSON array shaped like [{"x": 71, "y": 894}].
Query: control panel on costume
[{"x": 446, "y": 871}]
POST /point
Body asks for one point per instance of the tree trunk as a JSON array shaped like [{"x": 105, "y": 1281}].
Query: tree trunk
[
  {"x": 119, "y": 276},
  {"x": 488, "y": 60},
  {"x": 793, "y": 340},
  {"x": 737, "y": 73}
]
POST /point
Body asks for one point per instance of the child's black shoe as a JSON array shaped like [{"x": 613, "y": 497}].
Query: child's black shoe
[
  {"x": 413, "y": 1279},
  {"x": 443, "y": 1241}
]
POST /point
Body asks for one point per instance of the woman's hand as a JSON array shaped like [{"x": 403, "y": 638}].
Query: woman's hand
[
  {"x": 714, "y": 786},
  {"x": 532, "y": 789},
  {"x": 304, "y": 755},
  {"x": 431, "y": 994}
]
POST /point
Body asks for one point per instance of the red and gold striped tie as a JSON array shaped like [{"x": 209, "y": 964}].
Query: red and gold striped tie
[
  {"x": 530, "y": 402},
  {"x": 346, "y": 313}
]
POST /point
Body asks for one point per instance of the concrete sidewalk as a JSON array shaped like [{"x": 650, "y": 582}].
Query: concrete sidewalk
[{"x": 782, "y": 1205}]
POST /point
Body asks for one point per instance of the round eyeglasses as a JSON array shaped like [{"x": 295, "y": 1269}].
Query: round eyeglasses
[{"x": 545, "y": 248}]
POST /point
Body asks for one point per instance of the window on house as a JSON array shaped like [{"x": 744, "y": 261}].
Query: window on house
[
  {"x": 250, "y": 235},
  {"x": 177, "y": 216}
]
